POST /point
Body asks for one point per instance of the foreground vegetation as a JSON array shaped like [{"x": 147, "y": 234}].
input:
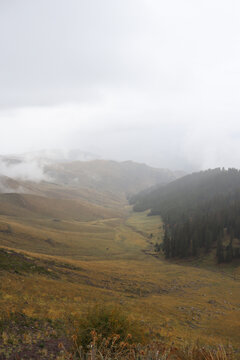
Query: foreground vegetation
[
  {"x": 108, "y": 333},
  {"x": 105, "y": 333},
  {"x": 108, "y": 349}
]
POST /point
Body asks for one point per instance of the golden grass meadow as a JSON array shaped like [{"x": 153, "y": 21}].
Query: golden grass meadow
[{"x": 55, "y": 269}]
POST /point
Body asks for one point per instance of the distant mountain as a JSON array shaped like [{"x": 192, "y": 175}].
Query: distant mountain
[
  {"x": 83, "y": 170},
  {"x": 200, "y": 210},
  {"x": 120, "y": 177}
]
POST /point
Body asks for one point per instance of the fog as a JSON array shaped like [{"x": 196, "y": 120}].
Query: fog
[
  {"x": 144, "y": 80},
  {"x": 32, "y": 170}
]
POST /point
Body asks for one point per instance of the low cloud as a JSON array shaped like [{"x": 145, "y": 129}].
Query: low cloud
[
  {"x": 28, "y": 170},
  {"x": 5, "y": 189}
]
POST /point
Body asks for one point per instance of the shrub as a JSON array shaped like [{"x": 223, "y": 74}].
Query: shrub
[{"x": 106, "y": 321}]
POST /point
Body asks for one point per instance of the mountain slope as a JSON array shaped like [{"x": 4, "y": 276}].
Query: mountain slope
[{"x": 26, "y": 205}]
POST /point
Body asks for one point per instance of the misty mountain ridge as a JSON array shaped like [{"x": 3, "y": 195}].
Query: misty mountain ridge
[
  {"x": 79, "y": 170},
  {"x": 31, "y": 165},
  {"x": 127, "y": 177}
]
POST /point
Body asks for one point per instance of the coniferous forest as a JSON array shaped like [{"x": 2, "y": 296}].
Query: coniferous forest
[{"x": 201, "y": 212}]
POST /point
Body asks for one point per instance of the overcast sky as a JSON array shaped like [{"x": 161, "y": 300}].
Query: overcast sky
[{"x": 154, "y": 81}]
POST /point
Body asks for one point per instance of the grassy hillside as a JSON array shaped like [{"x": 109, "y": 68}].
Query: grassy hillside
[
  {"x": 26, "y": 205},
  {"x": 182, "y": 302},
  {"x": 105, "y": 198}
]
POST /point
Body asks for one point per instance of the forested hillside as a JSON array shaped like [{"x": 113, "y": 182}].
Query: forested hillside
[{"x": 201, "y": 211}]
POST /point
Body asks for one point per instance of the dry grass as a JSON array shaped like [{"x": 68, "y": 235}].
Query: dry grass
[
  {"x": 111, "y": 261},
  {"x": 113, "y": 348},
  {"x": 33, "y": 206}
]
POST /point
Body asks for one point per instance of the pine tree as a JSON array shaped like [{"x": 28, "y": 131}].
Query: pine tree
[
  {"x": 229, "y": 254},
  {"x": 166, "y": 244},
  {"x": 220, "y": 252},
  {"x": 208, "y": 240}
]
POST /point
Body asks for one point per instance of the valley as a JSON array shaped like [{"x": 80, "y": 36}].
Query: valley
[{"x": 63, "y": 250}]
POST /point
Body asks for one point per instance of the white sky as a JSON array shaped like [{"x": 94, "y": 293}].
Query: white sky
[{"x": 149, "y": 80}]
